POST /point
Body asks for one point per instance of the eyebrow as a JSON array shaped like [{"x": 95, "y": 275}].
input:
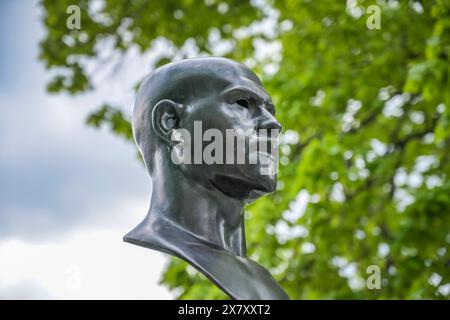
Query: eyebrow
[{"x": 252, "y": 93}]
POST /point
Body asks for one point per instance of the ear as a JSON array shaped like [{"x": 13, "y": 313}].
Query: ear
[{"x": 166, "y": 118}]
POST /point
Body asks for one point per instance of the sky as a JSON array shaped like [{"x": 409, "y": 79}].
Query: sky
[{"x": 68, "y": 192}]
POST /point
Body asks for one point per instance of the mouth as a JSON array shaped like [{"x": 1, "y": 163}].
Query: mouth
[
  {"x": 266, "y": 155},
  {"x": 257, "y": 144}
]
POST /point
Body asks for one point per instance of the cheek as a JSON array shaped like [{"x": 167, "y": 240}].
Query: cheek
[
  {"x": 220, "y": 116},
  {"x": 233, "y": 117}
]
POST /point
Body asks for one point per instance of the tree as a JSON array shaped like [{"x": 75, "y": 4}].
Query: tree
[{"x": 365, "y": 152}]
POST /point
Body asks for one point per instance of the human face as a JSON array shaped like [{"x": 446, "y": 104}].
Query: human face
[{"x": 241, "y": 106}]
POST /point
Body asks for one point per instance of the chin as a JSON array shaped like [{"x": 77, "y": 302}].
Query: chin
[
  {"x": 244, "y": 187},
  {"x": 265, "y": 185}
]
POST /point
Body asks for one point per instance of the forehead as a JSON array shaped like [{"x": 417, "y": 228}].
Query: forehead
[
  {"x": 211, "y": 75},
  {"x": 215, "y": 68}
]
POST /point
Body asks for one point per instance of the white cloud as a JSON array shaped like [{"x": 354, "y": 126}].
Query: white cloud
[
  {"x": 68, "y": 193},
  {"x": 89, "y": 265},
  {"x": 57, "y": 174}
]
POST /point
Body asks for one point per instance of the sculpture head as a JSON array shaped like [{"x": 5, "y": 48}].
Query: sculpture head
[
  {"x": 198, "y": 124},
  {"x": 211, "y": 93}
]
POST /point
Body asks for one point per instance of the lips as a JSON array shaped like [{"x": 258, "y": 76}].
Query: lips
[
  {"x": 266, "y": 155},
  {"x": 257, "y": 143},
  {"x": 266, "y": 147},
  {"x": 261, "y": 139}
]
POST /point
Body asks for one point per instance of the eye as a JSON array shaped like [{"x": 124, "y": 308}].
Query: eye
[{"x": 243, "y": 102}]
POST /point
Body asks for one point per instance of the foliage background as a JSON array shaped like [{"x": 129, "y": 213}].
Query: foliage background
[{"x": 365, "y": 155}]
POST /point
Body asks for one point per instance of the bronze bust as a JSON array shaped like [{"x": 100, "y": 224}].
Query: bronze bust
[{"x": 197, "y": 209}]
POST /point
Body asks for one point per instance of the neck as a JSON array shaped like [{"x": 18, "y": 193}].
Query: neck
[{"x": 203, "y": 211}]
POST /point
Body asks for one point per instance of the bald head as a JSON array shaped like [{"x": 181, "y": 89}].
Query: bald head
[{"x": 181, "y": 82}]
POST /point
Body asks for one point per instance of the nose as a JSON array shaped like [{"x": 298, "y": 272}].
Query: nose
[{"x": 265, "y": 120}]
